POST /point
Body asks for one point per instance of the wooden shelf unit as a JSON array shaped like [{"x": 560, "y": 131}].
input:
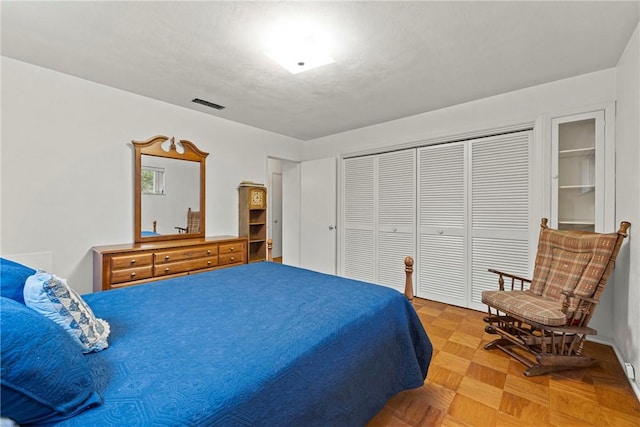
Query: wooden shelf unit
[{"x": 252, "y": 220}]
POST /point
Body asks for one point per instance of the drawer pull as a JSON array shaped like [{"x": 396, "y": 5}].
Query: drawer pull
[
  {"x": 166, "y": 257},
  {"x": 133, "y": 261},
  {"x": 133, "y": 274},
  {"x": 232, "y": 259},
  {"x": 208, "y": 252},
  {"x": 231, "y": 249},
  {"x": 166, "y": 270},
  {"x": 208, "y": 262}
]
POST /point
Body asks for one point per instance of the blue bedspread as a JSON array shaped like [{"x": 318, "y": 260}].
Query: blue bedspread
[{"x": 259, "y": 344}]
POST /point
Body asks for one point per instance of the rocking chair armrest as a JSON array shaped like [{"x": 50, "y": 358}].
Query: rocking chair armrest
[
  {"x": 513, "y": 278},
  {"x": 578, "y": 317},
  {"x": 570, "y": 294},
  {"x": 509, "y": 275}
]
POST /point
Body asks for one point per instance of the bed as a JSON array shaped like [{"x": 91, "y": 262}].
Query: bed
[{"x": 257, "y": 344}]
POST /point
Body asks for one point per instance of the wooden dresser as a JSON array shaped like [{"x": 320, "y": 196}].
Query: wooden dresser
[{"x": 129, "y": 264}]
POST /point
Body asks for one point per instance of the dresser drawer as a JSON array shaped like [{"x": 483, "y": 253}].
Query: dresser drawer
[
  {"x": 185, "y": 266},
  {"x": 231, "y": 248},
  {"x": 165, "y": 257},
  {"x": 131, "y": 274},
  {"x": 131, "y": 261},
  {"x": 234, "y": 258}
]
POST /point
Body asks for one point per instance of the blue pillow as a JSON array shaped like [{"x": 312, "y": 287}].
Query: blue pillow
[
  {"x": 45, "y": 377},
  {"x": 50, "y": 296},
  {"x": 12, "y": 278}
]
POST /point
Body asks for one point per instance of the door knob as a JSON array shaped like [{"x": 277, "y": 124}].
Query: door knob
[{"x": 331, "y": 227}]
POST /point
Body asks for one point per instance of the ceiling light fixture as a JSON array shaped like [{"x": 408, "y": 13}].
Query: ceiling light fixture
[{"x": 299, "y": 48}]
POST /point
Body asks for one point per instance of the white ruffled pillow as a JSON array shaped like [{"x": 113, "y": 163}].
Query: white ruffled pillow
[{"x": 51, "y": 296}]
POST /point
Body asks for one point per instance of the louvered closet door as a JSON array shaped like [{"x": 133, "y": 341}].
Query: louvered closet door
[
  {"x": 396, "y": 215},
  {"x": 358, "y": 247},
  {"x": 500, "y": 209},
  {"x": 441, "y": 224}
]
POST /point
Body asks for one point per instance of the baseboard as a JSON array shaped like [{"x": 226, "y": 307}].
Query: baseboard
[{"x": 621, "y": 359}]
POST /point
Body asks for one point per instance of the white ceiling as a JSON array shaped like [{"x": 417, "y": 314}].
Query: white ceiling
[{"x": 393, "y": 59}]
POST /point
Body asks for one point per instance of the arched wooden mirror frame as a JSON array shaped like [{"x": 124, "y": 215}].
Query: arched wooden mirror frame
[{"x": 154, "y": 147}]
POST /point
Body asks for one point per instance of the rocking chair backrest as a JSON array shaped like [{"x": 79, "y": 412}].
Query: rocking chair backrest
[
  {"x": 574, "y": 261},
  {"x": 193, "y": 221}
]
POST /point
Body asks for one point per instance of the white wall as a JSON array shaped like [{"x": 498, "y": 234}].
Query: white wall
[
  {"x": 627, "y": 270},
  {"x": 523, "y": 106},
  {"x": 520, "y": 106},
  {"x": 67, "y": 165}
]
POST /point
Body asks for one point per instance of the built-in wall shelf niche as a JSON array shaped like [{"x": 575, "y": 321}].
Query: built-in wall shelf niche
[{"x": 578, "y": 147}]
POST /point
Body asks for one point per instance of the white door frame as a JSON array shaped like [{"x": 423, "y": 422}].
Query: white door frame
[{"x": 275, "y": 221}]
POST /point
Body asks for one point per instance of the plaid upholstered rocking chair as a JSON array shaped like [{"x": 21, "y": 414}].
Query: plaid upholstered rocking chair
[
  {"x": 543, "y": 322},
  {"x": 193, "y": 223}
]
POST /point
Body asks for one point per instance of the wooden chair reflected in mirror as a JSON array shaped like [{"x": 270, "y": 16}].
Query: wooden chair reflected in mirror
[
  {"x": 193, "y": 223},
  {"x": 543, "y": 322}
]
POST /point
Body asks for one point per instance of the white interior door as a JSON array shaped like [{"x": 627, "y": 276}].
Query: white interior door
[
  {"x": 358, "y": 218},
  {"x": 276, "y": 214},
  {"x": 499, "y": 211},
  {"x": 473, "y": 214},
  {"x": 442, "y": 224},
  {"x": 318, "y": 215},
  {"x": 395, "y": 216},
  {"x": 291, "y": 213}
]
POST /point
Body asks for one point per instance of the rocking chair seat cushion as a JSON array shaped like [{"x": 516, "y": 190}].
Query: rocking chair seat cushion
[{"x": 526, "y": 305}]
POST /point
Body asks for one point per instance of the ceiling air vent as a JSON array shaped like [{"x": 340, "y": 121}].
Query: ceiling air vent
[{"x": 208, "y": 104}]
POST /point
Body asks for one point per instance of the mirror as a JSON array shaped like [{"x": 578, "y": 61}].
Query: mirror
[{"x": 169, "y": 190}]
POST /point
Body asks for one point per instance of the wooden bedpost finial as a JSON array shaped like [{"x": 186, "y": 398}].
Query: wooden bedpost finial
[
  {"x": 544, "y": 222},
  {"x": 269, "y": 247},
  {"x": 408, "y": 284}
]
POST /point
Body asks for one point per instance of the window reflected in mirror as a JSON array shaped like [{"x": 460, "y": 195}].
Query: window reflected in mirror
[{"x": 152, "y": 180}]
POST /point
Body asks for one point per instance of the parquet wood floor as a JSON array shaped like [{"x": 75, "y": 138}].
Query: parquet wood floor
[{"x": 469, "y": 386}]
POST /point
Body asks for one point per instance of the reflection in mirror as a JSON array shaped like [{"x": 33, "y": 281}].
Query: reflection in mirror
[
  {"x": 152, "y": 180},
  {"x": 170, "y": 189}
]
